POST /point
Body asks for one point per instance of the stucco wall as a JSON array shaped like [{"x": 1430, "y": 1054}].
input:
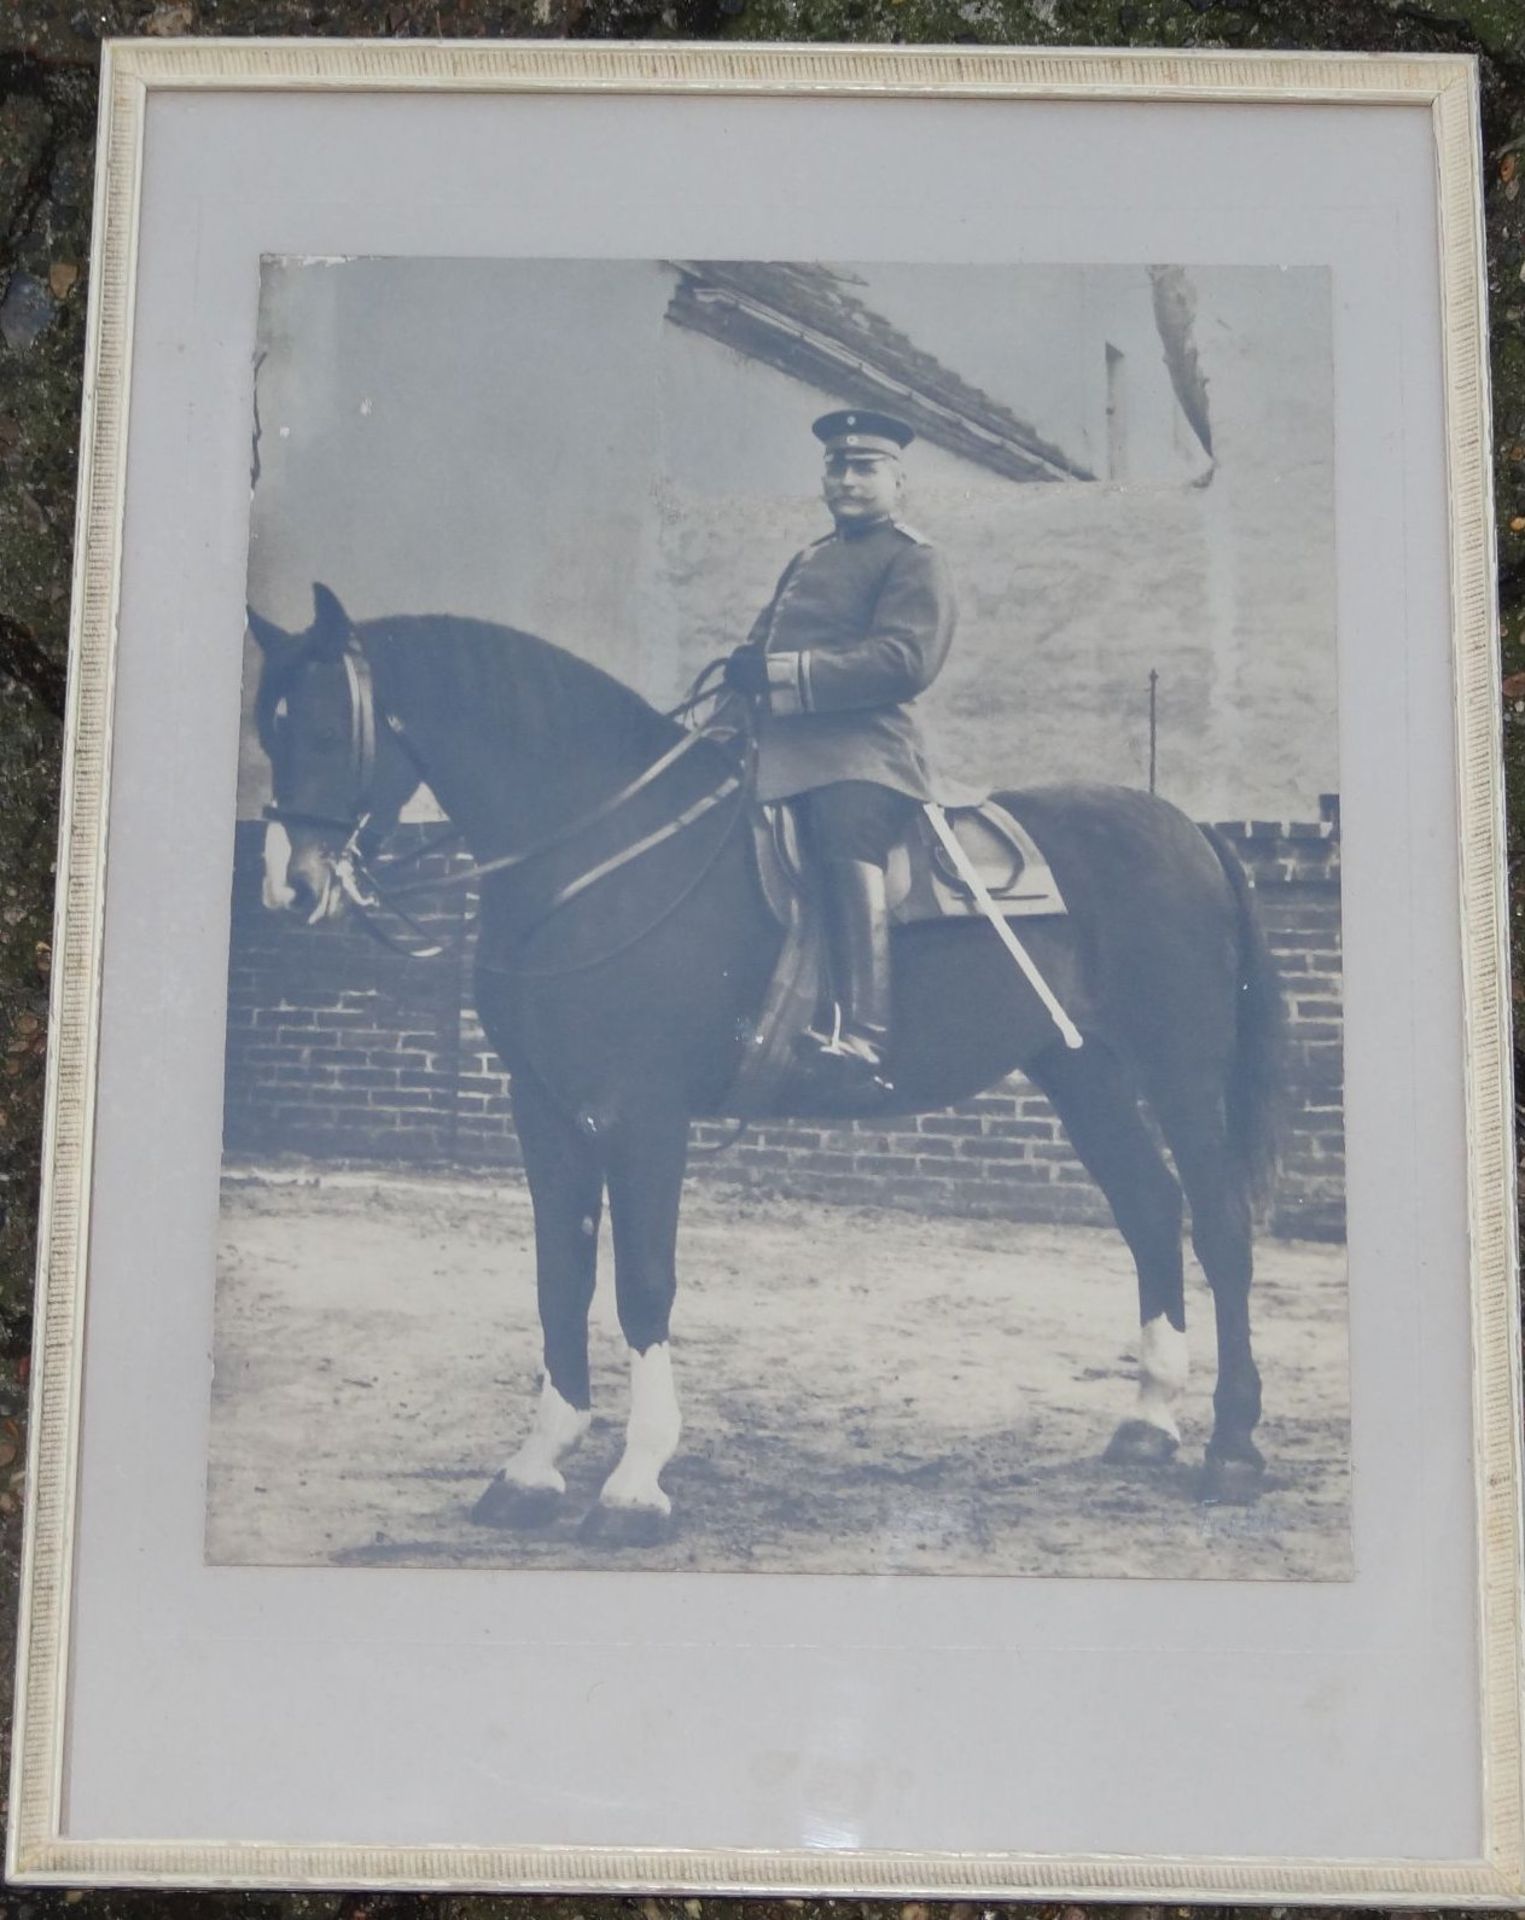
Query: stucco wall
[{"x": 535, "y": 443}]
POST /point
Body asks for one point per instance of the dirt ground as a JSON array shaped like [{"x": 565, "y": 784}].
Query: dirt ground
[{"x": 863, "y": 1390}]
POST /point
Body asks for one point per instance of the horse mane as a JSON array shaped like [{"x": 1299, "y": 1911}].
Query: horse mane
[{"x": 517, "y": 686}]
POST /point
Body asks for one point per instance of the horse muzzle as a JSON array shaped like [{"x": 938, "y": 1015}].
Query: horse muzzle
[
  {"x": 318, "y": 896},
  {"x": 300, "y": 879},
  {"x": 276, "y": 892}
]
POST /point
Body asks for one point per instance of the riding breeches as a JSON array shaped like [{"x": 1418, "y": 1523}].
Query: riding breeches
[{"x": 856, "y": 820}]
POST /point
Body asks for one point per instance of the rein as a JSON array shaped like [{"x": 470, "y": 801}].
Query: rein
[
  {"x": 575, "y": 828},
  {"x": 355, "y": 873}
]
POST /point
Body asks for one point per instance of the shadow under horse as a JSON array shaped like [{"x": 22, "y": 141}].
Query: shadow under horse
[{"x": 620, "y": 1007}]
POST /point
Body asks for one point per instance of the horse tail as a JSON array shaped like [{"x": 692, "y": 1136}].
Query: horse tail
[{"x": 1257, "y": 1075}]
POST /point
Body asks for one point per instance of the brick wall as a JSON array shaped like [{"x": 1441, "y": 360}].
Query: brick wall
[{"x": 340, "y": 1050}]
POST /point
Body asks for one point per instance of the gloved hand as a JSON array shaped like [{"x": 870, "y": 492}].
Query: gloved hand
[{"x": 746, "y": 672}]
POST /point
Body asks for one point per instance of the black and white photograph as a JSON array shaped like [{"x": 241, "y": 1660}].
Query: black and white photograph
[{"x": 784, "y": 1010}]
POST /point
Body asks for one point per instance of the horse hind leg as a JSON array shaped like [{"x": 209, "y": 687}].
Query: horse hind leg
[
  {"x": 646, "y": 1166},
  {"x": 1223, "y": 1236},
  {"x": 1097, "y": 1105},
  {"x": 566, "y": 1188}
]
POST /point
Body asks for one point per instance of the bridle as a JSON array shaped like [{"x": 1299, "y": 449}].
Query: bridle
[
  {"x": 351, "y": 867},
  {"x": 362, "y": 747},
  {"x": 369, "y": 891}
]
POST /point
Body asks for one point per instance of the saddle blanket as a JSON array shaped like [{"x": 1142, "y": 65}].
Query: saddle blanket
[{"x": 922, "y": 882}]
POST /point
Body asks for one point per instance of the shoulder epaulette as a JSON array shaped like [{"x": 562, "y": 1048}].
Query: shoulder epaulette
[
  {"x": 911, "y": 533},
  {"x": 824, "y": 541}
]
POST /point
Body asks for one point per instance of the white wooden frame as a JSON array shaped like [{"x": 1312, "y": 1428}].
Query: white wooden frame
[{"x": 37, "y": 1853}]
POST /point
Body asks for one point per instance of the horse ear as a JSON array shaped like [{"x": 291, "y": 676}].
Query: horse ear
[
  {"x": 271, "y": 638},
  {"x": 331, "y": 627}
]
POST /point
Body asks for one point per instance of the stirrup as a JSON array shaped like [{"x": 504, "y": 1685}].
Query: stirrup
[{"x": 854, "y": 1058}]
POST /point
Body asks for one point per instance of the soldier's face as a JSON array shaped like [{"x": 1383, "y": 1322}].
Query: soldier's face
[{"x": 861, "y": 488}]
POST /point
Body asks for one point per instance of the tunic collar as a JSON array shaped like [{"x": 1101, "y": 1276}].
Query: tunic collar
[{"x": 859, "y": 530}]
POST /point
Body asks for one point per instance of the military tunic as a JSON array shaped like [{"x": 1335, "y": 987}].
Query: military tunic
[{"x": 859, "y": 624}]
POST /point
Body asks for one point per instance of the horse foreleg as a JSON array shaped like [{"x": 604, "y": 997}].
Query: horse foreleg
[
  {"x": 646, "y": 1164},
  {"x": 1098, "y": 1108},
  {"x": 557, "y": 1431},
  {"x": 566, "y": 1184}
]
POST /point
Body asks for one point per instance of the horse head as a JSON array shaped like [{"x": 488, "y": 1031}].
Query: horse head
[{"x": 339, "y": 779}]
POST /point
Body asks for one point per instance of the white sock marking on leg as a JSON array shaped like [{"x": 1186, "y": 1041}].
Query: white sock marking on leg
[
  {"x": 558, "y": 1429},
  {"x": 1162, "y": 1366},
  {"x": 651, "y": 1435}
]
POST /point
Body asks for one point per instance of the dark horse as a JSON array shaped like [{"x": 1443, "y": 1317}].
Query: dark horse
[{"x": 620, "y": 1009}]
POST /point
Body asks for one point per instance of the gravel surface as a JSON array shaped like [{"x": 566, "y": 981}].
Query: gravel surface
[{"x": 863, "y": 1390}]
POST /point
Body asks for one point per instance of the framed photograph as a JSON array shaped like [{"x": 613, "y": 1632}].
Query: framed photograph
[{"x": 779, "y": 1144}]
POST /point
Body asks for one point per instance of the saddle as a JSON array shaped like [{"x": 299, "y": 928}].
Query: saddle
[{"x": 924, "y": 884}]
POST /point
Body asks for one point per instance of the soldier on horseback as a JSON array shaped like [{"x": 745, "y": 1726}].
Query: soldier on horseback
[{"x": 859, "y": 624}]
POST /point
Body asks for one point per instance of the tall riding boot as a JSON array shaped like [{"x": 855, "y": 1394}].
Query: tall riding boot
[{"x": 858, "y": 940}]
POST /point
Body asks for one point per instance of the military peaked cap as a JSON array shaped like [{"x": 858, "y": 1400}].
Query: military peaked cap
[{"x": 860, "y": 431}]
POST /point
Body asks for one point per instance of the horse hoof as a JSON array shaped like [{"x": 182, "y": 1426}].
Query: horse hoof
[
  {"x": 626, "y": 1526},
  {"x": 1232, "y": 1482},
  {"x": 1138, "y": 1444},
  {"x": 504, "y": 1505}
]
